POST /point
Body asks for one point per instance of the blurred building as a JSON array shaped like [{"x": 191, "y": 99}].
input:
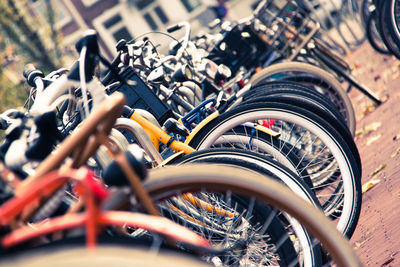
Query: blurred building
[{"x": 129, "y": 19}]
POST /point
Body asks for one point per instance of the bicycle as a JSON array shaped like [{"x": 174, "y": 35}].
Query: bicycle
[
  {"x": 295, "y": 37},
  {"x": 29, "y": 188},
  {"x": 237, "y": 56},
  {"x": 268, "y": 145},
  {"x": 50, "y": 177},
  {"x": 72, "y": 145},
  {"x": 69, "y": 146}
]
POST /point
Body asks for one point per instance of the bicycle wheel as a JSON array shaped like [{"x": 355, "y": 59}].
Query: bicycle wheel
[
  {"x": 328, "y": 160},
  {"x": 315, "y": 77},
  {"x": 231, "y": 226},
  {"x": 115, "y": 251},
  {"x": 384, "y": 27},
  {"x": 393, "y": 9},
  {"x": 260, "y": 164},
  {"x": 245, "y": 192},
  {"x": 373, "y": 35}
]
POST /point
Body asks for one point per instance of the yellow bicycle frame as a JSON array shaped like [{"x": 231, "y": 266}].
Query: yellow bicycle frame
[{"x": 156, "y": 134}]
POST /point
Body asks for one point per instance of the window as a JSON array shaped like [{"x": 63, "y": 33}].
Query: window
[
  {"x": 149, "y": 19},
  {"x": 122, "y": 33},
  {"x": 191, "y": 5},
  {"x": 141, "y": 4},
  {"x": 116, "y": 27},
  {"x": 161, "y": 14},
  {"x": 112, "y": 21},
  {"x": 152, "y": 12}
]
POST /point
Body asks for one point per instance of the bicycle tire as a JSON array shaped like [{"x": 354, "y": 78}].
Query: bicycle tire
[
  {"x": 294, "y": 98},
  {"x": 289, "y": 87},
  {"x": 334, "y": 91},
  {"x": 189, "y": 178},
  {"x": 384, "y": 27},
  {"x": 111, "y": 251},
  {"x": 179, "y": 210},
  {"x": 393, "y": 9},
  {"x": 373, "y": 35},
  {"x": 350, "y": 174}
]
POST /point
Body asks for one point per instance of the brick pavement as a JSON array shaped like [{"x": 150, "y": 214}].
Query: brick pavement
[{"x": 377, "y": 237}]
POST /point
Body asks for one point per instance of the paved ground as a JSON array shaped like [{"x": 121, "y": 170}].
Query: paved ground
[{"x": 377, "y": 237}]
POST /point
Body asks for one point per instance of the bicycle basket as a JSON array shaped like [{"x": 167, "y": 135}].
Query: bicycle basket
[
  {"x": 139, "y": 95},
  {"x": 284, "y": 26}
]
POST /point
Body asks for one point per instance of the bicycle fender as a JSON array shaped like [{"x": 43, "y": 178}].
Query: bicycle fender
[{"x": 201, "y": 125}]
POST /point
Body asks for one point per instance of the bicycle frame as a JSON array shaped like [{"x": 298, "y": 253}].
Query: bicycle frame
[{"x": 156, "y": 134}]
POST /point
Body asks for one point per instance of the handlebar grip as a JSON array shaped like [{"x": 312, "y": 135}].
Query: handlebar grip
[
  {"x": 89, "y": 40},
  {"x": 127, "y": 111},
  {"x": 3, "y": 124},
  {"x": 31, "y": 73},
  {"x": 174, "y": 28},
  {"x": 28, "y": 69}
]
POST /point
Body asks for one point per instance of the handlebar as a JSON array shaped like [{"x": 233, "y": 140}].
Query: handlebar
[
  {"x": 31, "y": 74},
  {"x": 34, "y": 78},
  {"x": 87, "y": 44},
  {"x": 37, "y": 142},
  {"x": 173, "y": 28},
  {"x": 186, "y": 37}
]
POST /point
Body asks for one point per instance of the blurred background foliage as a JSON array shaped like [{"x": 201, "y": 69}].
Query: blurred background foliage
[{"x": 24, "y": 39}]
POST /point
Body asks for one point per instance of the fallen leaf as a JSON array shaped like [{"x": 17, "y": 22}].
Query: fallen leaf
[
  {"x": 359, "y": 132},
  {"x": 359, "y": 244},
  {"x": 368, "y": 185},
  {"x": 385, "y": 75},
  {"x": 381, "y": 167},
  {"x": 368, "y": 129},
  {"x": 369, "y": 109},
  {"x": 395, "y": 75},
  {"x": 394, "y": 67},
  {"x": 373, "y": 139},
  {"x": 356, "y": 245},
  {"x": 385, "y": 98},
  {"x": 372, "y": 127},
  {"x": 394, "y": 154}
]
